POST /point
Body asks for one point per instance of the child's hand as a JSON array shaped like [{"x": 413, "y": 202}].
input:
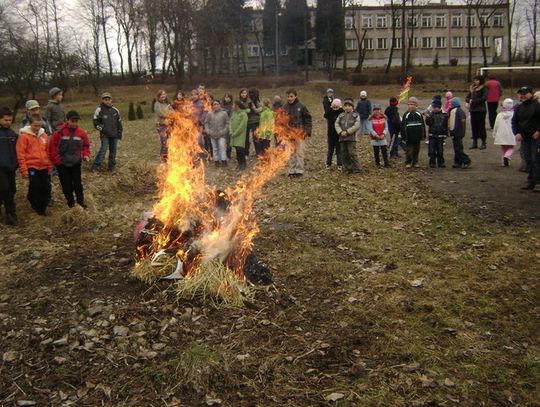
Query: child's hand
[
  {"x": 86, "y": 158},
  {"x": 519, "y": 137}
]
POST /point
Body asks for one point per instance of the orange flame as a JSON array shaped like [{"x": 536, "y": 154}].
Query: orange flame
[{"x": 188, "y": 208}]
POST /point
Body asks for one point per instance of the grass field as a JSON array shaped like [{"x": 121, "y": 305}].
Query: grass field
[{"x": 385, "y": 294}]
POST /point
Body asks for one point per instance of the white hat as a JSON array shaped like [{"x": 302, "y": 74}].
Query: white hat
[
  {"x": 31, "y": 104},
  {"x": 336, "y": 103},
  {"x": 508, "y": 104},
  {"x": 363, "y": 94}
]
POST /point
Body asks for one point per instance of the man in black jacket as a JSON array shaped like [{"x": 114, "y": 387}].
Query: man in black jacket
[
  {"x": 526, "y": 127},
  {"x": 108, "y": 122},
  {"x": 300, "y": 118}
]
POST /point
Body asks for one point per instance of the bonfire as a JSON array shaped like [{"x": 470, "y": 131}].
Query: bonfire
[{"x": 202, "y": 235}]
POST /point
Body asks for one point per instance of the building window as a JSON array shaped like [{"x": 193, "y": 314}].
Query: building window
[
  {"x": 426, "y": 42},
  {"x": 381, "y": 43},
  {"x": 486, "y": 42},
  {"x": 440, "y": 42},
  {"x": 253, "y": 50},
  {"x": 367, "y": 22},
  {"x": 440, "y": 21},
  {"x": 497, "y": 20},
  {"x": 349, "y": 22},
  {"x": 381, "y": 21},
  {"x": 456, "y": 20},
  {"x": 368, "y": 43},
  {"x": 397, "y": 22},
  {"x": 413, "y": 43},
  {"x": 350, "y": 44},
  {"x": 269, "y": 52},
  {"x": 412, "y": 21},
  {"x": 457, "y": 42},
  {"x": 396, "y": 43},
  {"x": 484, "y": 19},
  {"x": 471, "y": 20},
  {"x": 426, "y": 20}
]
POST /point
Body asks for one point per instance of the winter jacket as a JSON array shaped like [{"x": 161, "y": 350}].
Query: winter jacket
[
  {"x": 378, "y": 130},
  {"x": 437, "y": 123},
  {"x": 526, "y": 118},
  {"x": 502, "y": 130},
  {"x": 238, "y": 128},
  {"x": 331, "y": 118},
  {"x": 254, "y": 113},
  {"x": 8, "y": 150},
  {"x": 46, "y": 125},
  {"x": 412, "y": 127},
  {"x": 32, "y": 151},
  {"x": 216, "y": 123},
  {"x": 228, "y": 109},
  {"x": 477, "y": 99},
  {"x": 327, "y": 105},
  {"x": 266, "y": 124},
  {"x": 69, "y": 146},
  {"x": 54, "y": 113},
  {"x": 494, "y": 90},
  {"x": 198, "y": 109},
  {"x": 108, "y": 122},
  {"x": 299, "y": 116},
  {"x": 394, "y": 121},
  {"x": 349, "y": 122},
  {"x": 161, "y": 110},
  {"x": 363, "y": 107},
  {"x": 457, "y": 122}
]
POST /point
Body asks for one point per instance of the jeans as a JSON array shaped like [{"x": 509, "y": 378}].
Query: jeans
[
  {"x": 377, "y": 152},
  {"x": 39, "y": 189},
  {"x": 532, "y": 159},
  {"x": 219, "y": 149},
  {"x": 71, "y": 181},
  {"x": 460, "y": 158},
  {"x": 333, "y": 145},
  {"x": 492, "y": 113},
  {"x": 7, "y": 190},
  {"x": 395, "y": 143},
  {"x": 364, "y": 126},
  {"x": 435, "y": 151},
  {"x": 413, "y": 149},
  {"x": 106, "y": 143}
]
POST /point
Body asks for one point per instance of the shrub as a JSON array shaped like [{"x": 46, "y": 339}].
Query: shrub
[
  {"x": 436, "y": 61},
  {"x": 140, "y": 114},
  {"x": 453, "y": 61},
  {"x": 131, "y": 113}
]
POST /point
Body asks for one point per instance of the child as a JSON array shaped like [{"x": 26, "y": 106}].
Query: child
[
  {"x": 108, "y": 122},
  {"x": 238, "y": 130},
  {"x": 413, "y": 132},
  {"x": 378, "y": 130},
  {"x": 394, "y": 126},
  {"x": 227, "y": 105},
  {"x": 363, "y": 107},
  {"x": 448, "y": 102},
  {"x": 69, "y": 145},
  {"x": 456, "y": 126},
  {"x": 216, "y": 124},
  {"x": 437, "y": 122},
  {"x": 502, "y": 131},
  {"x": 54, "y": 111},
  {"x": 34, "y": 163},
  {"x": 333, "y": 136},
  {"x": 347, "y": 125},
  {"x": 266, "y": 127},
  {"x": 32, "y": 107},
  {"x": 8, "y": 165}
]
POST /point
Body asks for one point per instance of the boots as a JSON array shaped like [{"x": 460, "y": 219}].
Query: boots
[
  {"x": 474, "y": 144},
  {"x": 384, "y": 150},
  {"x": 483, "y": 146}
]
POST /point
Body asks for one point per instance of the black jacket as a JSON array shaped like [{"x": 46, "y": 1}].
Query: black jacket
[
  {"x": 437, "y": 123},
  {"x": 327, "y": 105},
  {"x": 108, "y": 121},
  {"x": 394, "y": 121},
  {"x": 477, "y": 98},
  {"x": 526, "y": 119},
  {"x": 299, "y": 116},
  {"x": 412, "y": 127},
  {"x": 8, "y": 153},
  {"x": 331, "y": 117}
]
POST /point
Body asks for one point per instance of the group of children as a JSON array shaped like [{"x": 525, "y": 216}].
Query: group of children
[
  {"x": 54, "y": 144},
  {"x": 388, "y": 131}
]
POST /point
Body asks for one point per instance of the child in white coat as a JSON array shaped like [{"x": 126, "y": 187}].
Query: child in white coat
[{"x": 502, "y": 132}]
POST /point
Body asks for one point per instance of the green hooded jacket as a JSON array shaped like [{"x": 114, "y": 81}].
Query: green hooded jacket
[
  {"x": 266, "y": 124},
  {"x": 238, "y": 127}
]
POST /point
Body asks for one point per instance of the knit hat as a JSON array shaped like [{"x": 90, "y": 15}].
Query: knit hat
[
  {"x": 348, "y": 101},
  {"x": 436, "y": 103},
  {"x": 393, "y": 101},
  {"x": 376, "y": 106},
  {"x": 336, "y": 103},
  {"x": 72, "y": 114},
  {"x": 363, "y": 94},
  {"x": 53, "y": 92},
  {"x": 412, "y": 101},
  {"x": 508, "y": 104},
  {"x": 449, "y": 95},
  {"x": 436, "y": 97},
  {"x": 31, "y": 104},
  {"x": 455, "y": 102},
  {"x": 525, "y": 90},
  {"x": 106, "y": 95},
  {"x": 329, "y": 90}
]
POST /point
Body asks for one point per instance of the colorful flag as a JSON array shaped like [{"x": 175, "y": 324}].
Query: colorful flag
[{"x": 404, "y": 94}]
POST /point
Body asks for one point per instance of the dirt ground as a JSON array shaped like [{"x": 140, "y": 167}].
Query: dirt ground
[{"x": 391, "y": 288}]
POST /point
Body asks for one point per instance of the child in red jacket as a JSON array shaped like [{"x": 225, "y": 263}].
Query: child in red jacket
[
  {"x": 69, "y": 146},
  {"x": 34, "y": 163}
]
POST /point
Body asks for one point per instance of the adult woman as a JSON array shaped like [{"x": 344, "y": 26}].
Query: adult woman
[{"x": 477, "y": 107}]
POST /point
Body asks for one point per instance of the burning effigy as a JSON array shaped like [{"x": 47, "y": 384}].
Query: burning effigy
[{"x": 201, "y": 235}]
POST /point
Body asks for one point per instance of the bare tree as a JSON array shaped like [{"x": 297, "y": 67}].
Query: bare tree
[
  {"x": 126, "y": 15},
  {"x": 531, "y": 15},
  {"x": 92, "y": 18},
  {"x": 103, "y": 19}
]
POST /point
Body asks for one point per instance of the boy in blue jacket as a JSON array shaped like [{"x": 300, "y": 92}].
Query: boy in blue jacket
[{"x": 8, "y": 165}]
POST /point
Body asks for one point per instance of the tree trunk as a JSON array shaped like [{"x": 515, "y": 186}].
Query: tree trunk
[
  {"x": 103, "y": 21},
  {"x": 403, "y": 37},
  {"x": 393, "y": 40},
  {"x": 469, "y": 49}
]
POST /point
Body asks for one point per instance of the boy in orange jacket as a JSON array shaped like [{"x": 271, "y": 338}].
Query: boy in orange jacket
[{"x": 34, "y": 163}]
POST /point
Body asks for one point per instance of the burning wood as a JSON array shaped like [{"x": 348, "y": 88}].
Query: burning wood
[{"x": 195, "y": 227}]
